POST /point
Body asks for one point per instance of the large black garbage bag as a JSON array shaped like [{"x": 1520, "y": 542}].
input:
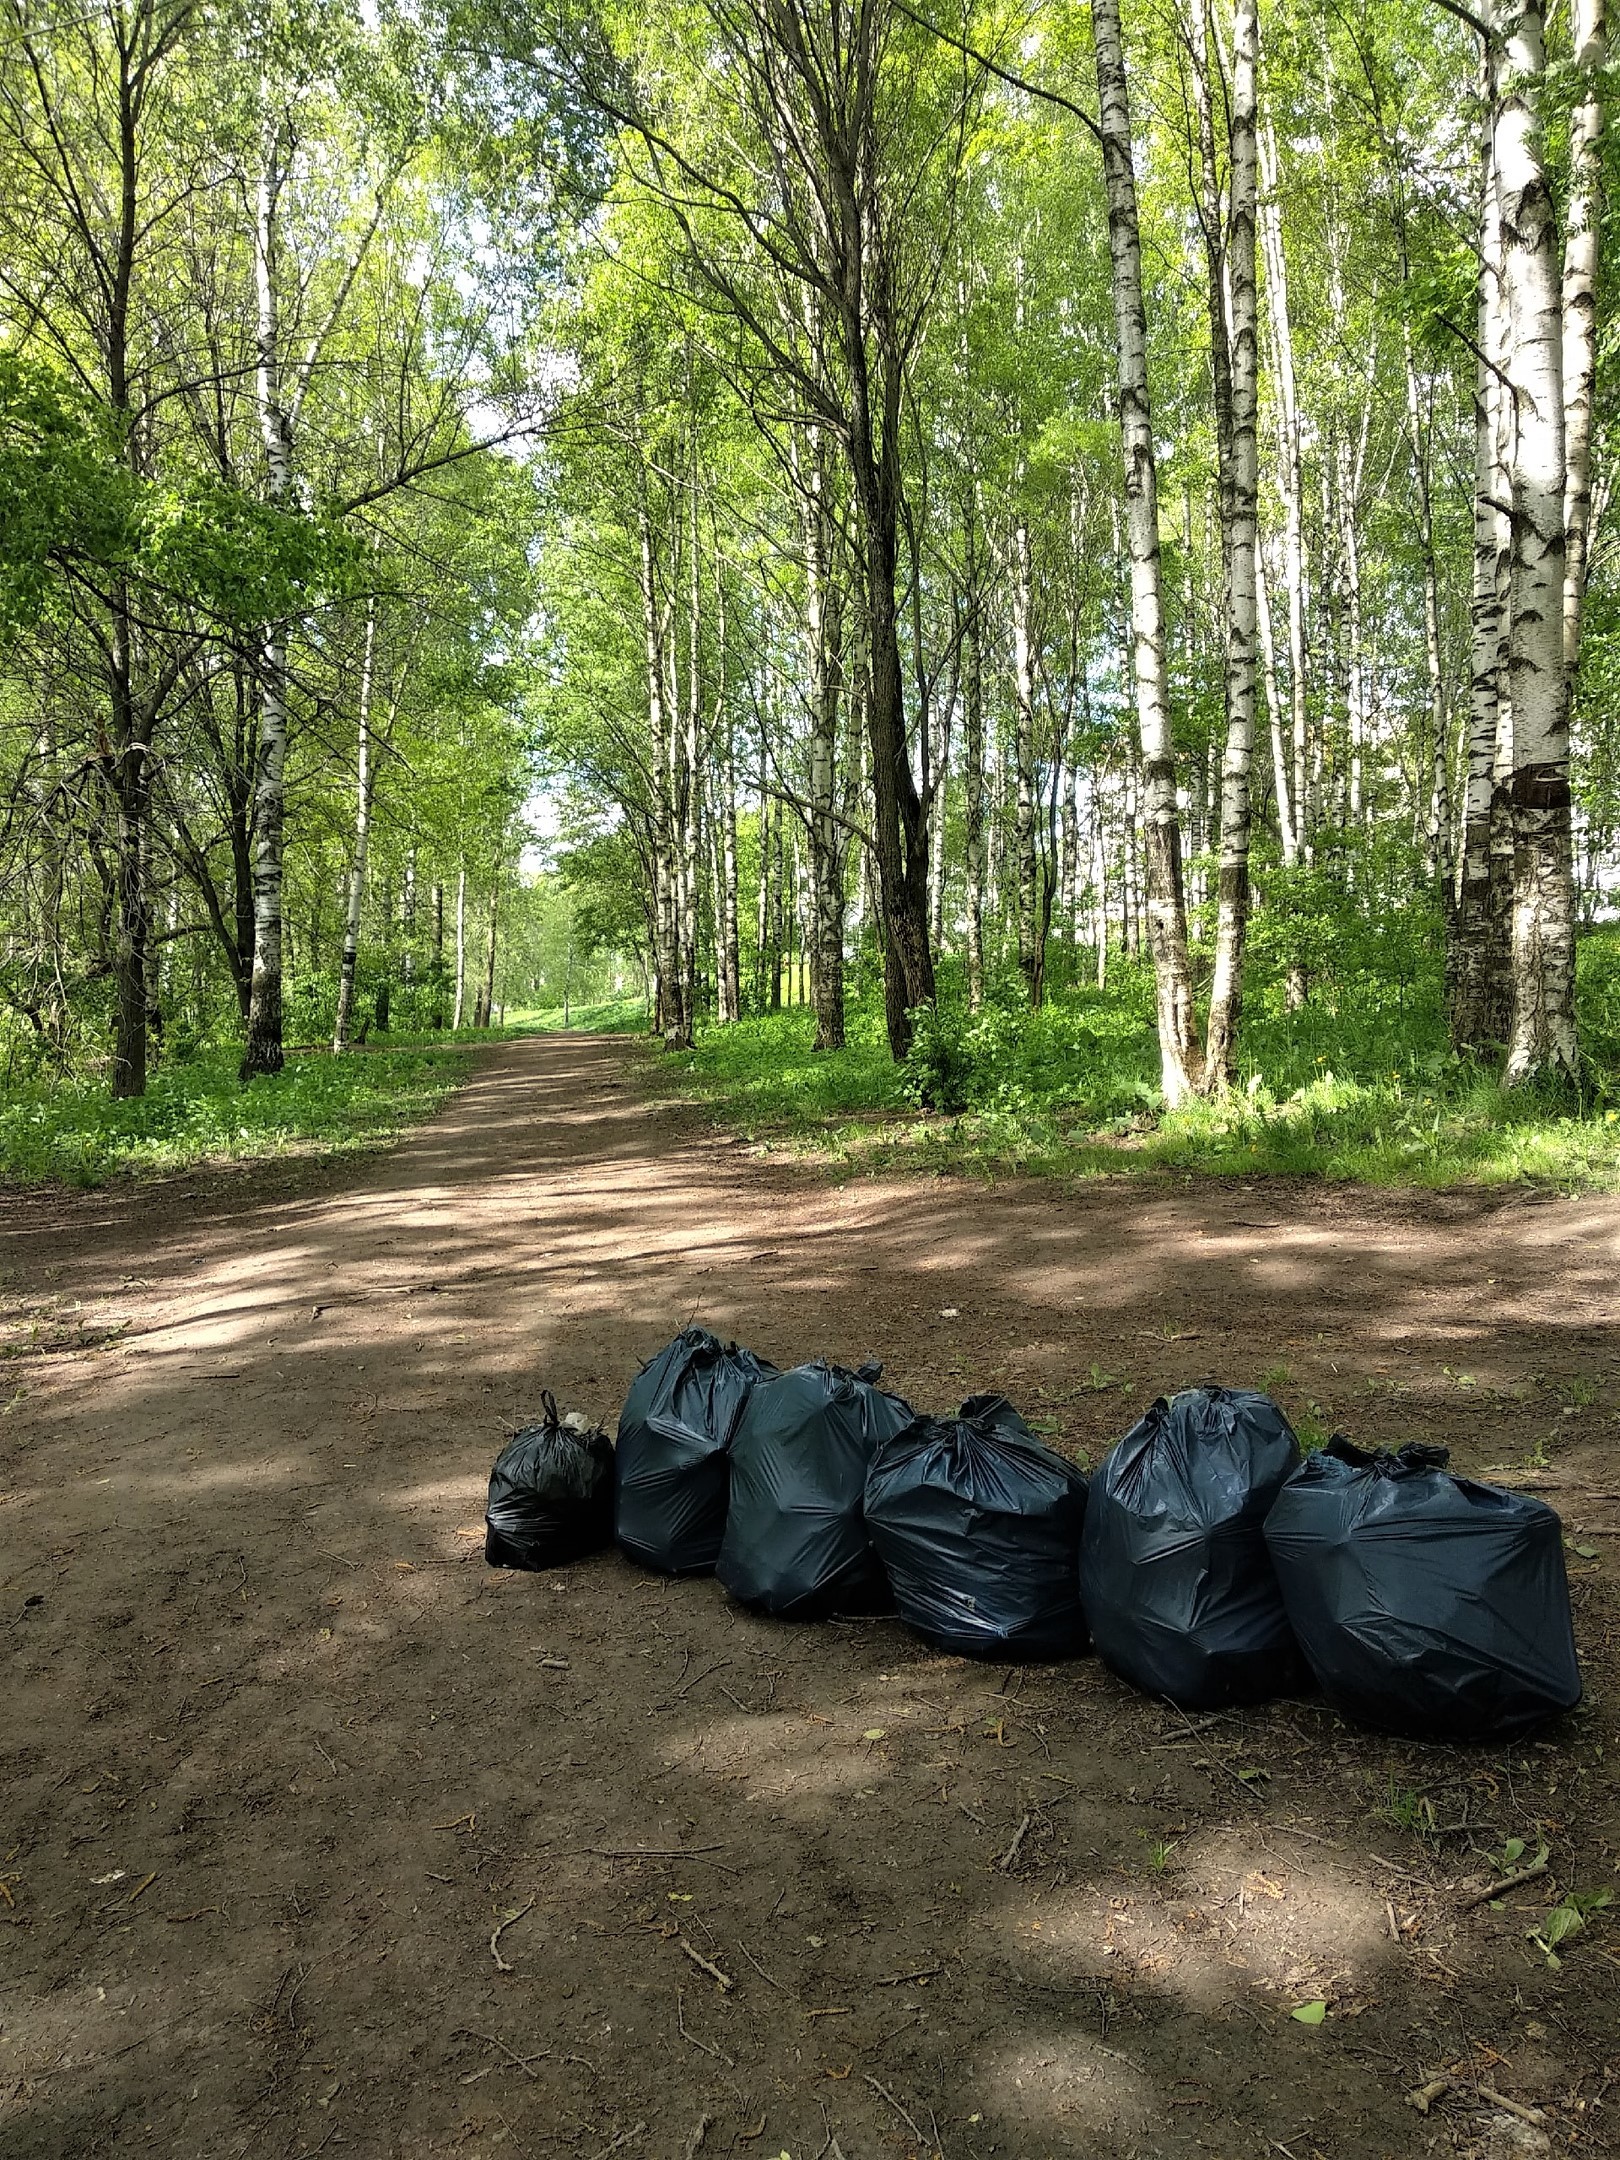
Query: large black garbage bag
[
  {"x": 796, "y": 1543},
  {"x": 1178, "y": 1588},
  {"x": 550, "y": 1495},
  {"x": 978, "y": 1525},
  {"x": 1426, "y": 1604},
  {"x": 674, "y": 1430}
]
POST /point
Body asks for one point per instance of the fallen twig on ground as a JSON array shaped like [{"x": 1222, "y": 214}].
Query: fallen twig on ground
[
  {"x": 501, "y": 1927},
  {"x": 707, "y": 2047},
  {"x": 1533, "y": 2115},
  {"x": 1505, "y": 1883},
  {"x": 1011, "y": 1854},
  {"x": 723, "y": 1979}
]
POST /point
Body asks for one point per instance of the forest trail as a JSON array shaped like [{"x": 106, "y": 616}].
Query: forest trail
[{"x": 318, "y": 1835}]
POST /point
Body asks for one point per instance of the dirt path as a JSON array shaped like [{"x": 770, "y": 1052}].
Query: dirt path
[{"x": 279, "y": 1755}]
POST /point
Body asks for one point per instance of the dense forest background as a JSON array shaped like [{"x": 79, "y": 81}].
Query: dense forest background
[{"x": 1052, "y": 567}]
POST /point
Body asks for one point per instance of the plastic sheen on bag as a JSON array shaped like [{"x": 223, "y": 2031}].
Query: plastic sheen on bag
[
  {"x": 1177, "y": 1584},
  {"x": 674, "y": 1432},
  {"x": 978, "y": 1525},
  {"x": 550, "y": 1494},
  {"x": 796, "y": 1543},
  {"x": 1426, "y": 1604}
]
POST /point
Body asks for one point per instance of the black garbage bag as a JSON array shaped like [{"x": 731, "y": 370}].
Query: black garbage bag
[
  {"x": 796, "y": 1543},
  {"x": 550, "y": 1494},
  {"x": 674, "y": 1432},
  {"x": 1178, "y": 1587},
  {"x": 978, "y": 1526},
  {"x": 1425, "y": 1604}
]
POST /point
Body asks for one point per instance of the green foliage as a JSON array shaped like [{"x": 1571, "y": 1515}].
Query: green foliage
[
  {"x": 63, "y": 492},
  {"x": 1071, "y": 1089},
  {"x": 197, "y": 1112}
]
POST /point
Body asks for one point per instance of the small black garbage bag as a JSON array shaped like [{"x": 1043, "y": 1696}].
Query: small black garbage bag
[
  {"x": 796, "y": 1543},
  {"x": 978, "y": 1525},
  {"x": 1425, "y": 1604},
  {"x": 674, "y": 1432},
  {"x": 550, "y": 1494},
  {"x": 1178, "y": 1588}
]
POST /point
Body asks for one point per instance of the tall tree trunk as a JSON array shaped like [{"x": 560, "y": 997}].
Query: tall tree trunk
[
  {"x": 973, "y": 767},
  {"x": 1240, "y": 498},
  {"x": 1478, "y": 977},
  {"x": 437, "y": 1020},
  {"x": 1287, "y": 834},
  {"x": 764, "y": 919},
  {"x": 262, "y": 1052},
  {"x": 1024, "y": 763},
  {"x": 1437, "y": 825},
  {"x": 461, "y": 948},
  {"x": 900, "y": 828},
  {"x": 824, "y": 637},
  {"x": 1583, "y": 231},
  {"x": 1291, "y": 485},
  {"x": 1180, "y": 1053},
  {"x": 1543, "y": 1044},
  {"x": 730, "y": 964},
  {"x": 362, "y": 836},
  {"x": 486, "y": 997}
]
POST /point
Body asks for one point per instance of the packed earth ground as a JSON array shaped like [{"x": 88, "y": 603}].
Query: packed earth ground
[{"x": 317, "y": 1835}]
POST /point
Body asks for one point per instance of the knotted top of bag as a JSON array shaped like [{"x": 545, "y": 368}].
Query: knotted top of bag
[{"x": 1416, "y": 1456}]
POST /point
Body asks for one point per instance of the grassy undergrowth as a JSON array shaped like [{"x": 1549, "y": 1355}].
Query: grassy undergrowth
[
  {"x": 197, "y": 1111},
  {"x": 1358, "y": 1084}
]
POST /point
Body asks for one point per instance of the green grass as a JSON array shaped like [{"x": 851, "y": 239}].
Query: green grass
[
  {"x": 617, "y": 1016},
  {"x": 1359, "y": 1085},
  {"x": 197, "y": 1111}
]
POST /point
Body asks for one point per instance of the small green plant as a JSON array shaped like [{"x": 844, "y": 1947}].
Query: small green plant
[
  {"x": 1580, "y": 1393},
  {"x": 1274, "y": 1379},
  {"x": 1565, "y": 1919},
  {"x": 1407, "y": 1808},
  {"x": 1158, "y": 1852},
  {"x": 1312, "y": 1427}
]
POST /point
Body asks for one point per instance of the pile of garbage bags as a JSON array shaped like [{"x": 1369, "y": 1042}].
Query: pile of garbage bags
[{"x": 1209, "y": 1561}]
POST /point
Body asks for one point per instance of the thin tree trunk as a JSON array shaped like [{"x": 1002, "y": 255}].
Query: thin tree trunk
[
  {"x": 1024, "y": 764},
  {"x": 437, "y": 1021},
  {"x": 730, "y": 943},
  {"x": 973, "y": 768},
  {"x": 1583, "y": 231},
  {"x": 1543, "y": 1044},
  {"x": 486, "y": 1001},
  {"x": 1239, "y": 501},
  {"x": 1291, "y": 484},
  {"x": 1286, "y": 833},
  {"x": 1477, "y": 978},
  {"x": 362, "y": 835},
  {"x": 461, "y": 948},
  {"x": 1180, "y": 1054},
  {"x": 262, "y": 1052},
  {"x": 824, "y": 637}
]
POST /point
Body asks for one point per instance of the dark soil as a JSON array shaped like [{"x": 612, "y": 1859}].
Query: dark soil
[{"x": 317, "y": 1835}]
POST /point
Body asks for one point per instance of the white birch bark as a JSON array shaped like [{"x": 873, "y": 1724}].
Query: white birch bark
[
  {"x": 1477, "y": 983},
  {"x": 461, "y": 948},
  {"x": 1226, "y": 990},
  {"x": 1290, "y": 481},
  {"x": 1286, "y": 834},
  {"x": 1024, "y": 759},
  {"x": 1180, "y": 1053},
  {"x": 1543, "y": 1042},
  {"x": 362, "y": 836},
  {"x": 262, "y": 1052},
  {"x": 1583, "y": 224}
]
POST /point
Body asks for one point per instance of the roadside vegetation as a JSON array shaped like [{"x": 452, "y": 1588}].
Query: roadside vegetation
[{"x": 1359, "y": 1083}]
